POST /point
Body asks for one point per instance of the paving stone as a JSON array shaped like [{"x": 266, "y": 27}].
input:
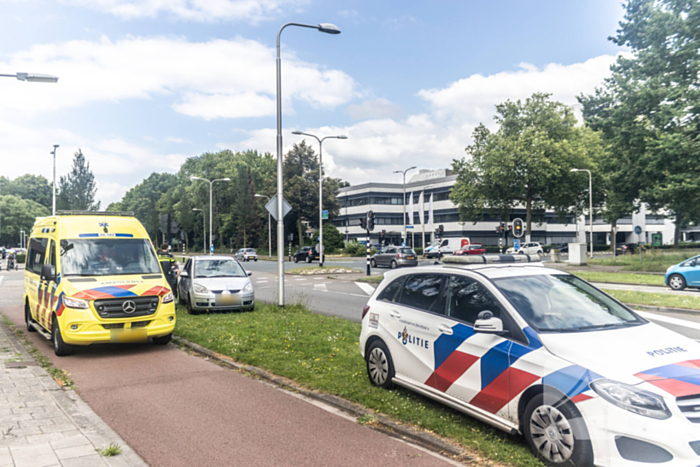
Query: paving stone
[
  {"x": 70, "y": 441},
  {"x": 5, "y": 457},
  {"x": 86, "y": 461},
  {"x": 75, "y": 451}
]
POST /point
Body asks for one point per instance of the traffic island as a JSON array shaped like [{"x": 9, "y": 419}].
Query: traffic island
[{"x": 321, "y": 270}]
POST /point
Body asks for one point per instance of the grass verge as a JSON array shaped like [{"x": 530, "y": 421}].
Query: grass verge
[
  {"x": 60, "y": 376},
  {"x": 322, "y": 353},
  {"x": 656, "y": 299},
  {"x": 316, "y": 270},
  {"x": 621, "y": 277},
  {"x": 652, "y": 261},
  {"x": 370, "y": 279}
]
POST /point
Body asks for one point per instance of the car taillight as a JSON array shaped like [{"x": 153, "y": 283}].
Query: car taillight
[{"x": 364, "y": 311}]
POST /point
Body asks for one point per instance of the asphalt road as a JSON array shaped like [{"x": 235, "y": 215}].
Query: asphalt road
[{"x": 175, "y": 409}]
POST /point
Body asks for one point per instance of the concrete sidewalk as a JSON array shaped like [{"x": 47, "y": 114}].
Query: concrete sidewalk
[{"x": 42, "y": 424}]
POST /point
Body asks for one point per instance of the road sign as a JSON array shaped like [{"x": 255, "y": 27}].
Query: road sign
[
  {"x": 324, "y": 215},
  {"x": 211, "y": 249},
  {"x": 516, "y": 243},
  {"x": 271, "y": 207},
  {"x": 637, "y": 230},
  {"x": 409, "y": 226}
]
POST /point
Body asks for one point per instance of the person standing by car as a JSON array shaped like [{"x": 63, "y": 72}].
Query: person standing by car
[{"x": 169, "y": 266}]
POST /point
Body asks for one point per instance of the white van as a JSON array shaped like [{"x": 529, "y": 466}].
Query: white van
[{"x": 447, "y": 247}]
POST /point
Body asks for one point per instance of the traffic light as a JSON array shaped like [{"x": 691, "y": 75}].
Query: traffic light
[
  {"x": 518, "y": 228},
  {"x": 501, "y": 228},
  {"x": 363, "y": 223},
  {"x": 441, "y": 230},
  {"x": 370, "y": 221}
]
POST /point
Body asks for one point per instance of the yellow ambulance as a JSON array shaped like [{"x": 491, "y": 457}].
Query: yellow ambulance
[{"x": 94, "y": 277}]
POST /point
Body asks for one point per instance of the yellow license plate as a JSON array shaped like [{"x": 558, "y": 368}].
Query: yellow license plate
[{"x": 410, "y": 257}]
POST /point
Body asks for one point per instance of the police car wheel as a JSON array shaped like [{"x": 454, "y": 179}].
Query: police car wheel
[
  {"x": 60, "y": 348},
  {"x": 28, "y": 318},
  {"x": 296, "y": 260},
  {"x": 556, "y": 432},
  {"x": 162, "y": 340},
  {"x": 676, "y": 282},
  {"x": 380, "y": 367}
]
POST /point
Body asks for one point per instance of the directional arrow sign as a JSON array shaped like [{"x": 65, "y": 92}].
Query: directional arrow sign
[
  {"x": 324, "y": 215},
  {"x": 271, "y": 207}
]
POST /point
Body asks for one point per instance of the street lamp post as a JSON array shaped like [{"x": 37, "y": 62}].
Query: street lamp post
[
  {"x": 204, "y": 229},
  {"x": 320, "y": 187},
  {"x": 21, "y": 238},
  {"x": 405, "y": 234},
  {"x": 54, "y": 177},
  {"x": 211, "y": 188},
  {"x": 269, "y": 227},
  {"x": 328, "y": 29},
  {"x": 33, "y": 77},
  {"x": 422, "y": 215},
  {"x": 590, "y": 199}
]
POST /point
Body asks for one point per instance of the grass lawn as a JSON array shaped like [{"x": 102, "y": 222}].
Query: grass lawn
[
  {"x": 626, "y": 278},
  {"x": 656, "y": 299},
  {"x": 322, "y": 353},
  {"x": 315, "y": 270},
  {"x": 370, "y": 279},
  {"x": 652, "y": 261}
]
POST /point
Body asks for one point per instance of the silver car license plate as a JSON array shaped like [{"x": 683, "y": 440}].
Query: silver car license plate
[{"x": 226, "y": 298}]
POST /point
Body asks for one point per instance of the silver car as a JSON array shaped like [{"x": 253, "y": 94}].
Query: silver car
[
  {"x": 246, "y": 254},
  {"x": 395, "y": 256},
  {"x": 215, "y": 283}
]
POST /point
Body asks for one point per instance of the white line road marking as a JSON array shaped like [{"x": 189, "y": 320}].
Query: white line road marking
[
  {"x": 321, "y": 287},
  {"x": 319, "y": 278},
  {"x": 366, "y": 288},
  {"x": 1, "y": 278},
  {"x": 669, "y": 320}
]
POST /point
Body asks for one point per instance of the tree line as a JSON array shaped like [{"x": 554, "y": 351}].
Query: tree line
[{"x": 640, "y": 136}]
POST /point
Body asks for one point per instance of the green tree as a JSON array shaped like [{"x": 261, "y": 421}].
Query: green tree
[
  {"x": 18, "y": 214},
  {"x": 143, "y": 198},
  {"x": 332, "y": 238},
  {"x": 527, "y": 161},
  {"x": 76, "y": 191},
  {"x": 33, "y": 187},
  {"x": 649, "y": 109},
  {"x": 114, "y": 207}
]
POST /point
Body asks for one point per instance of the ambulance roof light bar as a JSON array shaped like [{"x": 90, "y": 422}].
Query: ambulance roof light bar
[
  {"x": 491, "y": 259},
  {"x": 95, "y": 213}
]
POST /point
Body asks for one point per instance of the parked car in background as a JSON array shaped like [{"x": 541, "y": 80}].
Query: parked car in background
[
  {"x": 305, "y": 254},
  {"x": 445, "y": 247},
  {"x": 532, "y": 248},
  {"x": 684, "y": 274},
  {"x": 215, "y": 283},
  {"x": 563, "y": 248},
  {"x": 473, "y": 249},
  {"x": 246, "y": 254},
  {"x": 627, "y": 248},
  {"x": 394, "y": 256}
]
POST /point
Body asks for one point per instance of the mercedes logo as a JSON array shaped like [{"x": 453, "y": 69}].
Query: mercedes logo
[{"x": 129, "y": 306}]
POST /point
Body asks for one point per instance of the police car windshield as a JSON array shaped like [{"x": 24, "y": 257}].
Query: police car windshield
[
  {"x": 108, "y": 257},
  {"x": 564, "y": 303},
  {"x": 218, "y": 268}
]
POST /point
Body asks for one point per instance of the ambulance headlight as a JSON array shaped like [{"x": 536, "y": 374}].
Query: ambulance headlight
[
  {"x": 75, "y": 303},
  {"x": 167, "y": 298},
  {"x": 200, "y": 289},
  {"x": 632, "y": 399}
]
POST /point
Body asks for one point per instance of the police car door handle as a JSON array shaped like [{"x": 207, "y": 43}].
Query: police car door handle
[
  {"x": 395, "y": 314},
  {"x": 443, "y": 328}
]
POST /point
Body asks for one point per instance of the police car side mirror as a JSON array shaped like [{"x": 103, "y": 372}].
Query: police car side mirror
[
  {"x": 488, "y": 324},
  {"x": 48, "y": 272}
]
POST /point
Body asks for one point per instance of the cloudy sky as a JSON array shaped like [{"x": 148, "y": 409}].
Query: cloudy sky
[{"x": 144, "y": 84}]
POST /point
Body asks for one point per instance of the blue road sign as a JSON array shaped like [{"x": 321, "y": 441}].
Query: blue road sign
[
  {"x": 637, "y": 230},
  {"x": 324, "y": 214},
  {"x": 516, "y": 243},
  {"x": 211, "y": 249}
]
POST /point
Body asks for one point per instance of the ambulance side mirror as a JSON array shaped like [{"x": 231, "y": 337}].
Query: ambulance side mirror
[
  {"x": 486, "y": 323},
  {"x": 48, "y": 272}
]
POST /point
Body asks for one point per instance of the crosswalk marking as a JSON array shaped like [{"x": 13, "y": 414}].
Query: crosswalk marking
[
  {"x": 321, "y": 287},
  {"x": 366, "y": 288},
  {"x": 670, "y": 320}
]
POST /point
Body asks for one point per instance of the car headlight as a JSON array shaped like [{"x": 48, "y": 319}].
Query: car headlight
[
  {"x": 200, "y": 289},
  {"x": 167, "y": 298},
  {"x": 248, "y": 287},
  {"x": 75, "y": 303},
  {"x": 632, "y": 399}
]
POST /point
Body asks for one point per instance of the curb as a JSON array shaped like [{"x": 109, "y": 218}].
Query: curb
[
  {"x": 663, "y": 309},
  {"x": 386, "y": 424}
]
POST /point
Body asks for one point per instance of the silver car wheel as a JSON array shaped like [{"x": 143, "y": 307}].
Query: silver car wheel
[
  {"x": 552, "y": 434},
  {"x": 378, "y": 366}
]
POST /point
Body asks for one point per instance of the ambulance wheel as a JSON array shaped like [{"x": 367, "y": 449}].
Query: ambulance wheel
[
  {"x": 60, "y": 348},
  {"x": 28, "y": 318},
  {"x": 162, "y": 340},
  {"x": 373, "y": 263},
  {"x": 556, "y": 432},
  {"x": 380, "y": 367},
  {"x": 190, "y": 310},
  {"x": 676, "y": 282}
]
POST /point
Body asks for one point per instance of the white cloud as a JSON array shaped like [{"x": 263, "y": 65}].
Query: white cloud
[
  {"x": 375, "y": 108},
  {"x": 473, "y": 99},
  {"x": 214, "y": 79},
  {"x": 193, "y": 10}
]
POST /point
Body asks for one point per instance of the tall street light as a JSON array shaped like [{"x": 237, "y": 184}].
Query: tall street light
[
  {"x": 204, "y": 229},
  {"x": 422, "y": 214},
  {"x": 33, "y": 77},
  {"x": 405, "y": 234},
  {"x": 320, "y": 187},
  {"x": 590, "y": 192},
  {"x": 54, "y": 177},
  {"x": 269, "y": 227},
  {"x": 211, "y": 188},
  {"x": 328, "y": 29}
]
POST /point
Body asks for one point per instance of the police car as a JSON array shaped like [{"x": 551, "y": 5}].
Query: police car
[{"x": 539, "y": 352}]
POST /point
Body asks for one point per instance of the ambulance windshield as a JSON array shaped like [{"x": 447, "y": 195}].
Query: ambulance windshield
[{"x": 108, "y": 257}]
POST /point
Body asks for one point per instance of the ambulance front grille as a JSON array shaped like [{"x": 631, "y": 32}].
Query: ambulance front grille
[
  {"x": 114, "y": 307},
  {"x": 690, "y": 406}
]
